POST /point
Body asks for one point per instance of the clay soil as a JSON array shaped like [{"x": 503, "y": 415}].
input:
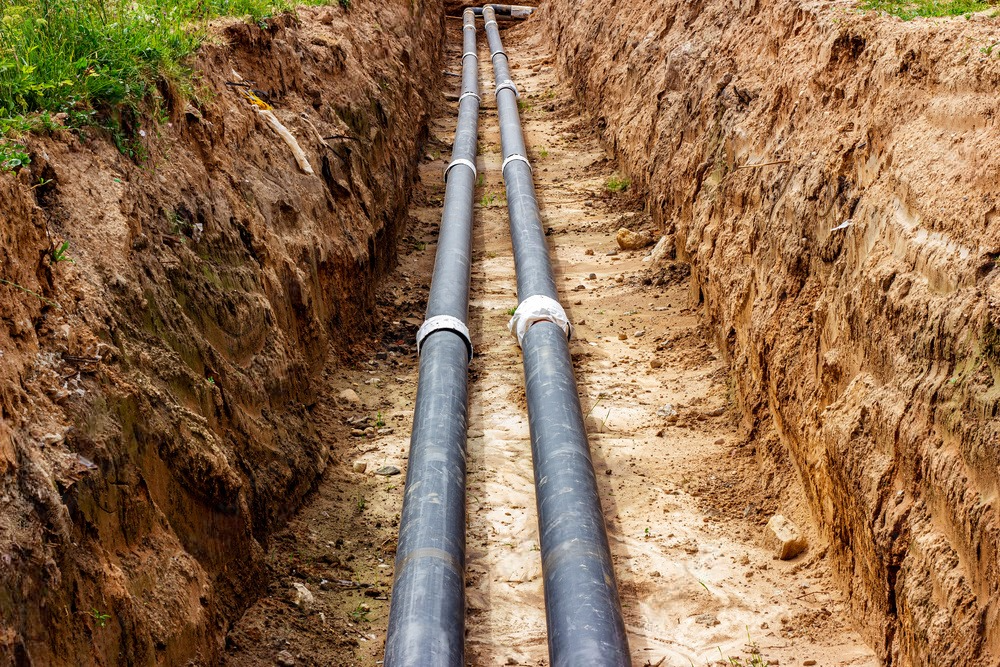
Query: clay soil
[{"x": 684, "y": 501}]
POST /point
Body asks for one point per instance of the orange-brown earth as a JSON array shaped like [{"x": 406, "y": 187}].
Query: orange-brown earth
[
  {"x": 165, "y": 397},
  {"x": 851, "y": 281}
]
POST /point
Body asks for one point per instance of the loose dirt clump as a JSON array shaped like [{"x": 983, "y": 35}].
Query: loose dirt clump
[
  {"x": 828, "y": 174},
  {"x": 166, "y": 397}
]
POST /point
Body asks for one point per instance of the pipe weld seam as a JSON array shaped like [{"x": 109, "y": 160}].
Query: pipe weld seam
[
  {"x": 461, "y": 161},
  {"x": 535, "y": 309},
  {"x": 445, "y": 323},
  {"x": 510, "y": 86},
  {"x": 514, "y": 158},
  {"x": 470, "y": 93}
]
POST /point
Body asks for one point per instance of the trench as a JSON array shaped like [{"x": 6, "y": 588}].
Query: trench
[
  {"x": 696, "y": 579},
  {"x": 204, "y": 458}
]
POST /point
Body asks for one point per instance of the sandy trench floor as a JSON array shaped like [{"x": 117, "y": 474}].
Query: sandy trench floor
[{"x": 684, "y": 508}]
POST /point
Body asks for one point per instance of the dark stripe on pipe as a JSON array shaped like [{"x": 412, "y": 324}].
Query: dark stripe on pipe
[
  {"x": 582, "y": 607},
  {"x": 427, "y": 613}
]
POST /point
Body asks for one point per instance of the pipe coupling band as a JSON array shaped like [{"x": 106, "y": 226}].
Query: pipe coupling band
[
  {"x": 500, "y": 52},
  {"x": 535, "y": 309},
  {"x": 444, "y": 323},
  {"x": 461, "y": 161},
  {"x": 469, "y": 53},
  {"x": 509, "y": 85},
  {"x": 470, "y": 93},
  {"x": 514, "y": 158},
  {"x": 493, "y": 21},
  {"x": 469, "y": 26}
]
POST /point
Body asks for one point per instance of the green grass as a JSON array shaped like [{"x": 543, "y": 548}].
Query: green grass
[
  {"x": 617, "y": 184},
  {"x": 95, "y": 59},
  {"x": 910, "y": 9}
]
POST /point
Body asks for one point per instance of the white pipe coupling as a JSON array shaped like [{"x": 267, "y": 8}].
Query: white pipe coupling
[
  {"x": 444, "y": 323},
  {"x": 514, "y": 158},
  {"x": 469, "y": 53},
  {"x": 507, "y": 84},
  {"x": 469, "y": 93},
  {"x": 461, "y": 161},
  {"x": 493, "y": 21},
  {"x": 534, "y": 309},
  {"x": 469, "y": 27},
  {"x": 494, "y": 55}
]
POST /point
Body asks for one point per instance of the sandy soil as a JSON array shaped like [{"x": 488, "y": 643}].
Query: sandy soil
[{"x": 684, "y": 502}]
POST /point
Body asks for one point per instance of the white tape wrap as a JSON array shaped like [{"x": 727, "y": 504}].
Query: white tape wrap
[
  {"x": 469, "y": 93},
  {"x": 507, "y": 84},
  {"x": 534, "y": 309},
  {"x": 460, "y": 161},
  {"x": 514, "y": 158},
  {"x": 444, "y": 323}
]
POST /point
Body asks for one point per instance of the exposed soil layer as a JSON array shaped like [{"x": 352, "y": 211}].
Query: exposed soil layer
[
  {"x": 851, "y": 282},
  {"x": 166, "y": 396}
]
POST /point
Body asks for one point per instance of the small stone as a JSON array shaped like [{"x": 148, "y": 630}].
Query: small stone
[
  {"x": 716, "y": 412},
  {"x": 611, "y": 253},
  {"x": 784, "y": 537},
  {"x": 667, "y": 410},
  {"x": 579, "y": 288},
  {"x": 639, "y": 333},
  {"x": 285, "y": 659},
  {"x": 589, "y": 252},
  {"x": 809, "y": 662},
  {"x": 387, "y": 471},
  {"x": 592, "y": 276},
  {"x": 623, "y": 336},
  {"x": 629, "y": 240},
  {"x": 350, "y": 397},
  {"x": 301, "y": 596},
  {"x": 656, "y": 363},
  {"x": 360, "y": 466},
  {"x": 720, "y": 441},
  {"x": 357, "y": 433}
]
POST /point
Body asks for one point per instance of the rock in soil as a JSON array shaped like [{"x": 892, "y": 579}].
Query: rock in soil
[
  {"x": 784, "y": 537},
  {"x": 629, "y": 240},
  {"x": 387, "y": 471}
]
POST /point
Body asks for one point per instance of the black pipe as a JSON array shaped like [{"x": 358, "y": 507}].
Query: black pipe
[
  {"x": 427, "y": 613},
  {"x": 582, "y": 608}
]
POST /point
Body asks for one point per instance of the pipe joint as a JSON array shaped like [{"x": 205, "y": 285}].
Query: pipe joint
[
  {"x": 494, "y": 22},
  {"x": 535, "y": 309},
  {"x": 514, "y": 158},
  {"x": 445, "y": 323},
  {"x": 509, "y": 85},
  {"x": 465, "y": 163},
  {"x": 470, "y": 93},
  {"x": 469, "y": 53}
]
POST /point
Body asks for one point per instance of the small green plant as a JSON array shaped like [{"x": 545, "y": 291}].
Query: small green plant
[
  {"x": 379, "y": 420},
  {"x": 481, "y": 180},
  {"x": 617, "y": 184},
  {"x": 13, "y": 156},
  {"x": 100, "y": 617},
  {"x": 59, "y": 254},
  {"x": 544, "y": 153},
  {"x": 511, "y": 311},
  {"x": 360, "y": 614},
  {"x": 488, "y": 200},
  {"x": 523, "y": 106},
  {"x": 346, "y": 4},
  {"x": 361, "y": 504},
  {"x": 648, "y": 534}
]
